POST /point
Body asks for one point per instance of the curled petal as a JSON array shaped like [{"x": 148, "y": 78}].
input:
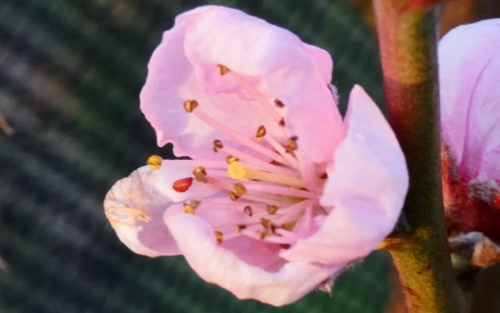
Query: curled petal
[
  {"x": 264, "y": 63},
  {"x": 469, "y": 67},
  {"x": 277, "y": 284},
  {"x": 135, "y": 206},
  {"x": 366, "y": 189}
]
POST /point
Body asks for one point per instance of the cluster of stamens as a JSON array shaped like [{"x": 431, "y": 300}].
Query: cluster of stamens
[{"x": 265, "y": 182}]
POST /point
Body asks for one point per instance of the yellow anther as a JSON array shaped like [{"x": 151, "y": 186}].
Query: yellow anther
[
  {"x": 278, "y": 103},
  {"x": 218, "y": 145},
  {"x": 235, "y": 170},
  {"x": 154, "y": 162},
  {"x": 261, "y": 132},
  {"x": 263, "y": 234},
  {"x": 219, "y": 236},
  {"x": 265, "y": 223},
  {"x": 291, "y": 144},
  {"x": 268, "y": 225},
  {"x": 223, "y": 70},
  {"x": 200, "y": 174},
  {"x": 191, "y": 207},
  {"x": 188, "y": 209},
  {"x": 239, "y": 189},
  {"x": 231, "y": 158},
  {"x": 289, "y": 225},
  {"x": 272, "y": 209},
  {"x": 238, "y": 228},
  {"x": 190, "y": 105},
  {"x": 234, "y": 196}
]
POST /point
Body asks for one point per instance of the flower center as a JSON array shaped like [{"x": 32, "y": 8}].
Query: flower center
[{"x": 269, "y": 187}]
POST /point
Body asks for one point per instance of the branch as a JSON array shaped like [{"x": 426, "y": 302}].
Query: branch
[{"x": 408, "y": 49}]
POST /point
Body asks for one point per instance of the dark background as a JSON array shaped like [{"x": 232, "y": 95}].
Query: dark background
[{"x": 70, "y": 75}]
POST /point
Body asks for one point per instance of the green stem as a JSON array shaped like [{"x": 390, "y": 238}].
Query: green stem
[{"x": 408, "y": 49}]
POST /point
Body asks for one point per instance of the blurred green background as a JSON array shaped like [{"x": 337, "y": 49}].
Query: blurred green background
[{"x": 70, "y": 75}]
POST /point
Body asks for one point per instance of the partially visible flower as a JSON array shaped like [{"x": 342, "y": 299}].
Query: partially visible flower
[
  {"x": 469, "y": 58},
  {"x": 281, "y": 193}
]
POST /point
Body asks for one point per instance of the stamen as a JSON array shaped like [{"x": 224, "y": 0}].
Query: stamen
[
  {"x": 217, "y": 173},
  {"x": 282, "y": 151},
  {"x": 263, "y": 234},
  {"x": 283, "y": 191},
  {"x": 266, "y": 223},
  {"x": 218, "y": 145},
  {"x": 248, "y": 210},
  {"x": 239, "y": 189},
  {"x": 191, "y": 207},
  {"x": 261, "y": 164},
  {"x": 289, "y": 225},
  {"x": 279, "y": 240},
  {"x": 261, "y": 132},
  {"x": 223, "y": 70},
  {"x": 182, "y": 185},
  {"x": 239, "y": 227},
  {"x": 238, "y": 137},
  {"x": 236, "y": 171},
  {"x": 286, "y": 234},
  {"x": 154, "y": 162},
  {"x": 219, "y": 236},
  {"x": 309, "y": 174},
  {"x": 282, "y": 122},
  {"x": 190, "y": 105},
  {"x": 278, "y": 103},
  {"x": 268, "y": 198},
  {"x": 200, "y": 174},
  {"x": 269, "y": 111},
  {"x": 272, "y": 209},
  {"x": 234, "y": 196},
  {"x": 231, "y": 159},
  {"x": 291, "y": 144}
]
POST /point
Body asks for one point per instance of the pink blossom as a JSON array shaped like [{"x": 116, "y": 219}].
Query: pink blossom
[
  {"x": 281, "y": 192},
  {"x": 469, "y": 59}
]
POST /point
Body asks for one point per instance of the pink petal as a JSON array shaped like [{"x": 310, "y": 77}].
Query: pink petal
[
  {"x": 233, "y": 270},
  {"x": 271, "y": 61},
  {"x": 469, "y": 80},
  {"x": 135, "y": 206},
  {"x": 366, "y": 189}
]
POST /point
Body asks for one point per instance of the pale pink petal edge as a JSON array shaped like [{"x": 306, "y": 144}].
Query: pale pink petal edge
[
  {"x": 217, "y": 265},
  {"x": 366, "y": 188}
]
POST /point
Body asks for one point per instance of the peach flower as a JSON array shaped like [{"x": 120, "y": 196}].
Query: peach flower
[
  {"x": 469, "y": 70},
  {"x": 281, "y": 193}
]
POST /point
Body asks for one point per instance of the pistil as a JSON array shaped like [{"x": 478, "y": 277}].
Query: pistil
[{"x": 236, "y": 171}]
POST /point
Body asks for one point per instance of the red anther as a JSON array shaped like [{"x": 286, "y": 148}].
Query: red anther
[{"x": 182, "y": 185}]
